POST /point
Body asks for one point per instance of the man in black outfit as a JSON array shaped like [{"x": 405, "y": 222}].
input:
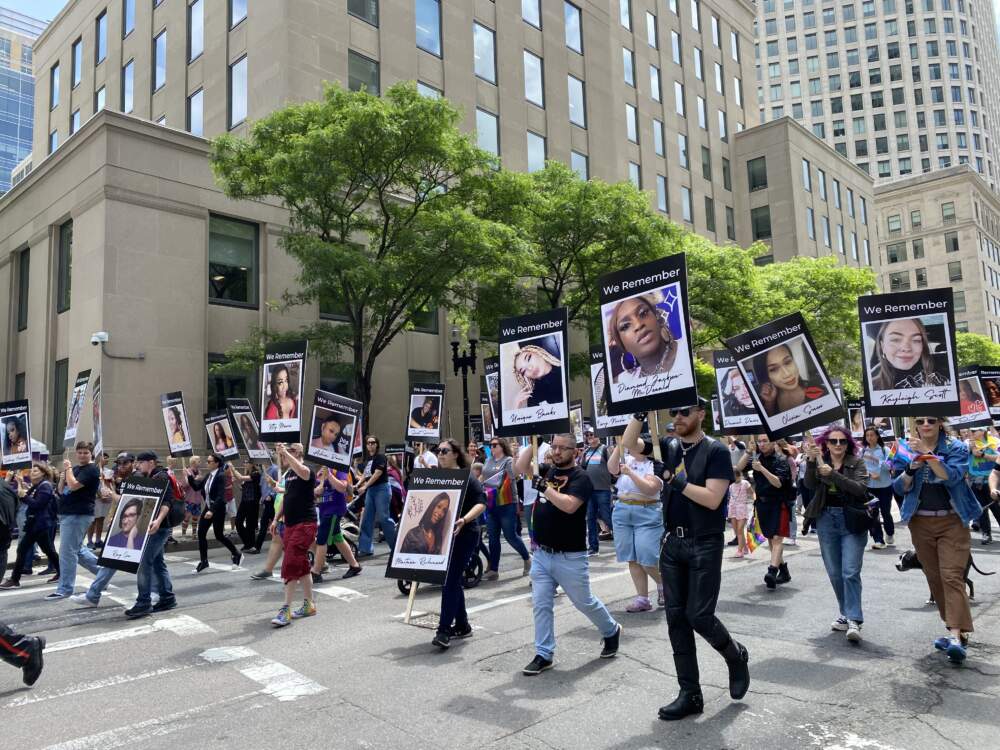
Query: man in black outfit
[
  {"x": 696, "y": 478},
  {"x": 23, "y": 652}
]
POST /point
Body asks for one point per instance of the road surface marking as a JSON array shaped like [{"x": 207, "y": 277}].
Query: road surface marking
[
  {"x": 342, "y": 593},
  {"x": 182, "y": 625},
  {"x": 84, "y": 687},
  {"x": 280, "y": 681}
]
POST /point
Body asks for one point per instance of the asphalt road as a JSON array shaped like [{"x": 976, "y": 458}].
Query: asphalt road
[{"x": 213, "y": 673}]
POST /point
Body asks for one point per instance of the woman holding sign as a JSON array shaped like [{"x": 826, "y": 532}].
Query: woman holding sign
[
  {"x": 640, "y": 329},
  {"x": 454, "y": 621},
  {"x": 939, "y": 506}
]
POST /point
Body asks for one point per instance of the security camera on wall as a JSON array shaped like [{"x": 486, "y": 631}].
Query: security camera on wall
[{"x": 101, "y": 337}]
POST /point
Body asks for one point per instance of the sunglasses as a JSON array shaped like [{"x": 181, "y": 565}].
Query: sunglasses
[
  {"x": 494, "y": 445},
  {"x": 685, "y": 412},
  {"x": 926, "y": 421},
  {"x": 444, "y": 451},
  {"x": 837, "y": 441},
  {"x": 371, "y": 442}
]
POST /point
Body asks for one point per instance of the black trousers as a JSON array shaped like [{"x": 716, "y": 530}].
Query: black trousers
[
  {"x": 692, "y": 574},
  {"x": 13, "y": 646},
  {"x": 266, "y": 516},
  {"x": 28, "y": 539},
  {"x": 982, "y": 493},
  {"x": 4, "y": 546},
  {"x": 246, "y": 521},
  {"x": 218, "y": 525}
]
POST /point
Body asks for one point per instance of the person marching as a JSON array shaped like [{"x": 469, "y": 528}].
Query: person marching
[
  {"x": 697, "y": 474},
  {"x": 498, "y": 469},
  {"x": 772, "y": 484},
  {"x": 213, "y": 487},
  {"x": 875, "y": 456},
  {"x": 333, "y": 488},
  {"x": 298, "y": 512},
  {"x": 594, "y": 461},
  {"x": 560, "y": 529},
  {"x": 39, "y": 498},
  {"x": 938, "y": 506},
  {"x": 454, "y": 620}
]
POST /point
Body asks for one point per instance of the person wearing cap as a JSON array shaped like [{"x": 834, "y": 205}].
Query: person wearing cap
[
  {"x": 594, "y": 461},
  {"x": 638, "y": 519},
  {"x": 696, "y": 477},
  {"x": 153, "y": 567}
]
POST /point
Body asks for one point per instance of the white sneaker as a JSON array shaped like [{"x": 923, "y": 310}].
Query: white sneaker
[
  {"x": 82, "y": 600},
  {"x": 854, "y": 631},
  {"x": 878, "y": 545},
  {"x": 840, "y": 624},
  {"x": 890, "y": 541}
]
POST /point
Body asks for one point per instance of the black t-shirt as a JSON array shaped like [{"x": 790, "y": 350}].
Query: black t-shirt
[
  {"x": 564, "y": 532},
  {"x": 934, "y": 496},
  {"x": 776, "y": 463},
  {"x": 707, "y": 459},
  {"x": 378, "y": 461},
  {"x": 300, "y": 503},
  {"x": 80, "y": 502},
  {"x": 473, "y": 496}
]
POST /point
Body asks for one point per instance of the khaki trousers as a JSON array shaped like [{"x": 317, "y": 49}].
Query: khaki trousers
[{"x": 943, "y": 547}]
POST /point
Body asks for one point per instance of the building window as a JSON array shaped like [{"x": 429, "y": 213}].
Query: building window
[
  {"x": 54, "y": 86},
  {"x": 661, "y": 193},
  {"x": 428, "y": 23},
  {"x": 709, "y": 214},
  {"x": 237, "y": 11},
  {"x": 362, "y": 74},
  {"x": 918, "y": 249},
  {"x": 77, "y": 68},
  {"x": 894, "y": 224},
  {"x": 706, "y": 163},
  {"x": 159, "y": 60},
  {"x": 531, "y": 12},
  {"x": 687, "y": 212},
  {"x": 577, "y": 103},
  {"x": 484, "y": 52},
  {"x": 23, "y": 281},
  {"x": 195, "y": 112},
  {"x": 921, "y": 277},
  {"x": 196, "y": 29},
  {"x": 98, "y": 100},
  {"x": 658, "y": 137},
  {"x": 64, "y": 269},
  {"x": 101, "y": 38},
  {"x": 128, "y": 17},
  {"x": 238, "y": 91},
  {"x": 574, "y": 27},
  {"x": 19, "y": 387},
  {"x": 429, "y": 91},
  {"x": 53, "y": 141},
  {"x": 682, "y": 149},
  {"x": 959, "y": 302},
  {"x": 625, "y": 13},
  {"x": 811, "y": 223},
  {"x": 915, "y": 220},
  {"x": 760, "y": 223},
  {"x": 651, "y": 39},
  {"x": 895, "y": 252},
  {"x": 951, "y": 242},
  {"x": 806, "y": 176},
  {"x": 128, "y": 86},
  {"x": 74, "y": 121},
  {"x": 727, "y": 177},
  {"x": 60, "y": 392},
  {"x": 366, "y": 10},
  {"x": 730, "y": 223},
  {"x": 948, "y": 213},
  {"x": 631, "y": 123},
  {"x": 826, "y": 231},
  {"x": 536, "y": 152},
  {"x": 223, "y": 387},
  {"x": 635, "y": 174},
  {"x": 962, "y": 326},
  {"x": 487, "y": 132},
  {"x": 578, "y": 163},
  {"x": 232, "y": 262},
  {"x": 757, "y": 173},
  {"x": 899, "y": 281},
  {"x": 534, "y": 82},
  {"x": 654, "y": 83},
  {"x": 628, "y": 66},
  {"x": 955, "y": 270},
  {"x": 679, "y": 98}
]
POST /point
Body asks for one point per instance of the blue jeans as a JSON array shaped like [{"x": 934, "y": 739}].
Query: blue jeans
[
  {"x": 571, "y": 571},
  {"x": 377, "y": 499},
  {"x": 503, "y": 518},
  {"x": 452, "y": 594},
  {"x": 598, "y": 507},
  {"x": 842, "y": 553},
  {"x": 101, "y": 581},
  {"x": 153, "y": 566},
  {"x": 72, "y": 530}
]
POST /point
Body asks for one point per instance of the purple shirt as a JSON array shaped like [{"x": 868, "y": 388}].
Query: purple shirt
[{"x": 334, "y": 503}]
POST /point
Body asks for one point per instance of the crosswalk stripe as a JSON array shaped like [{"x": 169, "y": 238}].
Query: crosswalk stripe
[
  {"x": 182, "y": 625},
  {"x": 85, "y": 687}
]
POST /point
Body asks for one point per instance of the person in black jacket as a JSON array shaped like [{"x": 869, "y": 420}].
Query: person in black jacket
[
  {"x": 772, "y": 477},
  {"x": 39, "y": 498},
  {"x": 697, "y": 472},
  {"x": 213, "y": 487}
]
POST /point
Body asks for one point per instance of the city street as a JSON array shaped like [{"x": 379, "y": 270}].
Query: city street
[{"x": 214, "y": 673}]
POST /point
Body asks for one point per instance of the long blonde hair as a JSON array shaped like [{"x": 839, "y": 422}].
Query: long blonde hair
[{"x": 539, "y": 352}]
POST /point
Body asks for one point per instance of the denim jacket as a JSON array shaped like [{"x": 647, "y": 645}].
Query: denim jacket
[{"x": 955, "y": 457}]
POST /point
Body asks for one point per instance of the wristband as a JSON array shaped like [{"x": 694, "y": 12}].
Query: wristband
[{"x": 677, "y": 484}]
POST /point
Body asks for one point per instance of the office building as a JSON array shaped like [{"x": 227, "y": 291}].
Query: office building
[
  {"x": 899, "y": 87},
  {"x": 17, "y": 89}
]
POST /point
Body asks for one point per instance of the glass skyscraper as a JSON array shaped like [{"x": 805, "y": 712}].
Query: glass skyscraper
[{"x": 17, "y": 89}]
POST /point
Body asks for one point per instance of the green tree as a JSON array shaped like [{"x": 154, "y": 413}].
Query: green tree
[
  {"x": 381, "y": 224},
  {"x": 974, "y": 349}
]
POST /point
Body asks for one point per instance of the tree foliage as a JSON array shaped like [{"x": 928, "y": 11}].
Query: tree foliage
[{"x": 974, "y": 349}]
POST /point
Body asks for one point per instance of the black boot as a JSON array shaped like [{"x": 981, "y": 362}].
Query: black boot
[
  {"x": 685, "y": 704},
  {"x": 737, "y": 656},
  {"x": 771, "y": 577},
  {"x": 33, "y": 667},
  {"x": 783, "y": 575}
]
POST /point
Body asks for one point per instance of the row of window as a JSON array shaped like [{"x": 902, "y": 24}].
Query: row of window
[
  {"x": 888, "y": 27},
  {"x": 894, "y": 222},
  {"x": 873, "y": 52},
  {"x": 899, "y": 281},
  {"x": 868, "y": 7},
  {"x": 895, "y": 252}
]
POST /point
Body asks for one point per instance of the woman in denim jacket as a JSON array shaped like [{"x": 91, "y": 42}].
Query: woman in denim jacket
[{"x": 938, "y": 505}]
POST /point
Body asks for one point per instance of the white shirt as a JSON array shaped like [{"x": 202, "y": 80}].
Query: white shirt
[
  {"x": 209, "y": 482},
  {"x": 428, "y": 459}
]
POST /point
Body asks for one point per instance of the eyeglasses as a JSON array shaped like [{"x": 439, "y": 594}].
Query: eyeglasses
[
  {"x": 562, "y": 447},
  {"x": 494, "y": 445},
  {"x": 444, "y": 451},
  {"x": 685, "y": 412},
  {"x": 837, "y": 441},
  {"x": 371, "y": 442},
  {"x": 926, "y": 421}
]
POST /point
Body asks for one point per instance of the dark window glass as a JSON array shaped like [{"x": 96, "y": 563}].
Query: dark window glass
[
  {"x": 757, "y": 173},
  {"x": 65, "y": 268},
  {"x": 760, "y": 221},
  {"x": 364, "y": 9},
  {"x": 221, "y": 387},
  {"x": 60, "y": 390},
  {"x": 362, "y": 73},
  {"x": 232, "y": 262},
  {"x": 23, "y": 277}
]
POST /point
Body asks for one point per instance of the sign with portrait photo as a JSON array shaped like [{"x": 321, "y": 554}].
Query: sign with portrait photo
[
  {"x": 604, "y": 425},
  {"x": 77, "y": 400},
  {"x": 98, "y": 424},
  {"x": 220, "y": 435},
  {"x": 15, "y": 441},
  {"x": 426, "y": 527},
  {"x": 486, "y": 412},
  {"x": 974, "y": 409},
  {"x": 476, "y": 429},
  {"x": 242, "y": 418},
  {"x": 736, "y": 410},
  {"x": 127, "y": 534},
  {"x": 788, "y": 383},
  {"x": 335, "y": 421},
  {"x": 647, "y": 346},
  {"x": 908, "y": 344},
  {"x": 856, "y": 417},
  {"x": 990, "y": 379},
  {"x": 716, "y": 416},
  {"x": 175, "y": 421},
  {"x": 281, "y": 391},
  {"x": 576, "y": 420},
  {"x": 423, "y": 421},
  {"x": 534, "y": 374}
]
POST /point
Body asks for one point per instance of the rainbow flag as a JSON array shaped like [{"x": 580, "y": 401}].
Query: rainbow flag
[
  {"x": 755, "y": 537},
  {"x": 901, "y": 449},
  {"x": 505, "y": 493}
]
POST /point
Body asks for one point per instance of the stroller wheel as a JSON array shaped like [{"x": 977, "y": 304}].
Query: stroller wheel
[
  {"x": 404, "y": 587},
  {"x": 473, "y": 573}
]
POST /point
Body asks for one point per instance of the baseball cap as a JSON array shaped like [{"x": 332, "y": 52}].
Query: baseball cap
[
  {"x": 148, "y": 456},
  {"x": 124, "y": 457}
]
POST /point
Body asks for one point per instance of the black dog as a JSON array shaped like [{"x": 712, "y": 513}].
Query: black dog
[{"x": 908, "y": 561}]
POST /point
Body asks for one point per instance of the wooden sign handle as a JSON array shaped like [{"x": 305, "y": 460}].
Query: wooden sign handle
[{"x": 654, "y": 432}]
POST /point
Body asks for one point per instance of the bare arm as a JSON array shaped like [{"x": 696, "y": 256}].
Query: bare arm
[
  {"x": 614, "y": 461},
  {"x": 710, "y": 496},
  {"x": 565, "y": 503},
  {"x": 297, "y": 466},
  {"x": 523, "y": 463},
  {"x": 630, "y": 438}
]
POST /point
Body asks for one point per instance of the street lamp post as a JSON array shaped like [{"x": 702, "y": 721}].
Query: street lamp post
[{"x": 464, "y": 361}]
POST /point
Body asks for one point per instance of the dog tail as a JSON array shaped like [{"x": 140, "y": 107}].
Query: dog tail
[{"x": 981, "y": 572}]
